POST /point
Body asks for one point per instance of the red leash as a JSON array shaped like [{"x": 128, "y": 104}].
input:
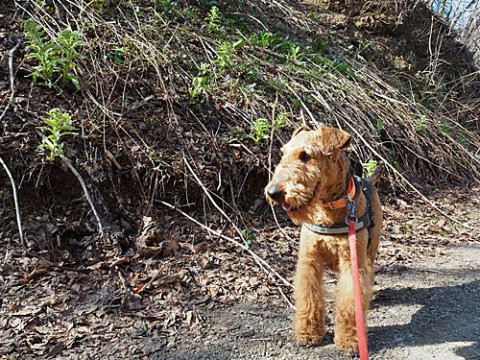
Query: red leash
[{"x": 357, "y": 291}]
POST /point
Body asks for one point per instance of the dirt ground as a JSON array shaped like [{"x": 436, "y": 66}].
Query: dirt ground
[
  {"x": 216, "y": 303},
  {"x": 429, "y": 310}
]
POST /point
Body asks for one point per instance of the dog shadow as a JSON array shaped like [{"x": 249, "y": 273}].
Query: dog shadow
[{"x": 448, "y": 314}]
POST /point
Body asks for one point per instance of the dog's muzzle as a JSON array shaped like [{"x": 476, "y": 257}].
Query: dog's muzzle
[{"x": 276, "y": 194}]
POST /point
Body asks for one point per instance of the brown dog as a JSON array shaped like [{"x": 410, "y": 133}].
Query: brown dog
[{"x": 311, "y": 183}]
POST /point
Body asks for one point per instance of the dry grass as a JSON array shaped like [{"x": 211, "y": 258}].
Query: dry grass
[{"x": 145, "y": 59}]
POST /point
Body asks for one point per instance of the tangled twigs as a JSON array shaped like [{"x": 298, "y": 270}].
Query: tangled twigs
[
  {"x": 207, "y": 193},
  {"x": 15, "y": 199},
  {"x": 261, "y": 262},
  {"x": 405, "y": 180},
  {"x": 12, "y": 80}
]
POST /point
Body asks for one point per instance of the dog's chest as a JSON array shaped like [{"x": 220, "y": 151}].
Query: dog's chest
[{"x": 329, "y": 248}]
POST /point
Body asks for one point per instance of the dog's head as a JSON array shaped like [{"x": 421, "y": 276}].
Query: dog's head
[{"x": 311, "y": 163}]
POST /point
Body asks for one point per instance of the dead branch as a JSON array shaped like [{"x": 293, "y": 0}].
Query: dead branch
[
  {"x": 15, "y": 199},
  {"x": 12, "y": 79},
  {"x": 261, "y": 262},
  {"x": 86, "y": 192}
]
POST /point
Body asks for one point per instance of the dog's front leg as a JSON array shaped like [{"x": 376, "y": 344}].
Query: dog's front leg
[{"x": 309, "y": 295}]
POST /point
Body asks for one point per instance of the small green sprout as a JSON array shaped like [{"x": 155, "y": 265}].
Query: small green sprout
[
  {"x": 261, "y": 128},
  {"x": 214, "y": 20},
  {"x": 420, "y": 123},
  {"x": 54, "y": 60},
  {"x": 58, "y": 124},
  {"x": 369, "y": 168}
]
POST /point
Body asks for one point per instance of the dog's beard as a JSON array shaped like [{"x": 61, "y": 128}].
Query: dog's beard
[{"x": 298, "y": 198}]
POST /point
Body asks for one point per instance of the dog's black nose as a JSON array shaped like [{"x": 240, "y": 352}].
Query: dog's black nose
[{"x": 275, "y": 193}]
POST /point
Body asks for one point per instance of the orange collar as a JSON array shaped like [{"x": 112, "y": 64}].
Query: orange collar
[{"x": 341, "y": 203}]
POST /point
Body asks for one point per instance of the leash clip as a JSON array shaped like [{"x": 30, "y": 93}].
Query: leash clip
[{"x": 351, "y": 206}]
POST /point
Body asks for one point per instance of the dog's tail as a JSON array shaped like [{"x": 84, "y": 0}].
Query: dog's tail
[{"x": 377, "y": 174}]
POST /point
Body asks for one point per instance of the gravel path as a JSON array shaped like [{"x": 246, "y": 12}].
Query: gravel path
[{"x": 430, "y": 311}]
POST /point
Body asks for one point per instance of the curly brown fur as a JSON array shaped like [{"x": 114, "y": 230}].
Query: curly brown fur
[{"x": 314, "y": 170}]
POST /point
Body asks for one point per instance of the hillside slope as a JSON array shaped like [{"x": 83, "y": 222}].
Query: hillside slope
[{"x": 176, "y": 97}]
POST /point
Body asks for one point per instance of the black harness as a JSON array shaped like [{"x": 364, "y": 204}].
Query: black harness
[{"x": 364, "y": 222}]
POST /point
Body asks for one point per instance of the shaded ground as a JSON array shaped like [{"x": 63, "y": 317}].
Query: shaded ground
[
  {"x": 419, "y": 314},
  {"x": 211, "y": 301}
]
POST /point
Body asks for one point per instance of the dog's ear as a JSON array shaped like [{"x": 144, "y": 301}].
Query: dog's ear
[
  {"x": 300, "y": 129},
  {"x": 333, "y": 140}
]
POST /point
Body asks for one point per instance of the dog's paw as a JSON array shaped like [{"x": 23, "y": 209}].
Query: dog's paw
[
  {"x": 308, "y": 340},
  {"x": 347, "y": 346}
]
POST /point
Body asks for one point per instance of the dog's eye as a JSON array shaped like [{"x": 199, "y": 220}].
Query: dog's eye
[{"x": 304, "y": 157}]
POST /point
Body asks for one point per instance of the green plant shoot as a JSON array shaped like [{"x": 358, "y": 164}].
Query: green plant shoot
[
  {"x": 214, "y": 19},
  {"x": 261, "y": 127},
  {"x": 53, "y": 60},
  {"x": 69, "y": 42},
  {"x": 369, "y": 168},
  {"x": 58, "y": 124}
]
